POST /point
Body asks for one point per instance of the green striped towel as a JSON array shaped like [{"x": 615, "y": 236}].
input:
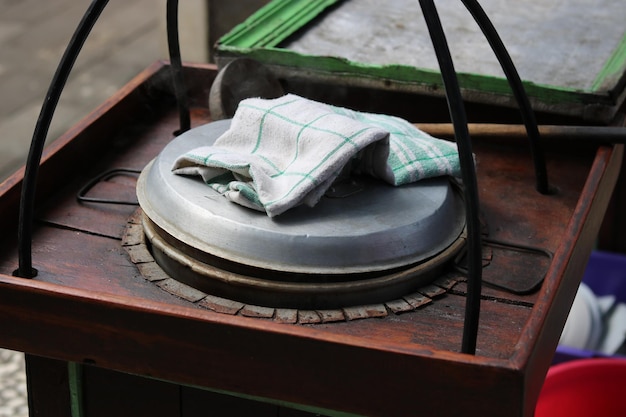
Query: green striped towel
[{"x": 280, "y": 153}]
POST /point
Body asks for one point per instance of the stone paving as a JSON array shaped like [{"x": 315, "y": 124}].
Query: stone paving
[
  {"x": 33, "y": 35},
  {"x": 13, "y": 402}
]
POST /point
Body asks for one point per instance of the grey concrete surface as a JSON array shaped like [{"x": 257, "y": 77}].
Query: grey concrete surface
[{"x": 34, "y": 34}]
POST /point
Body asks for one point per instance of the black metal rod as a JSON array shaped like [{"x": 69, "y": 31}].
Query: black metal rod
[
  {"x": 27, "y": 202},
  {"x": 468, "y": 174},
  {"x": 515, "y": 82},
  {"x": 176, "y": 66},
  {"x": 81, "y": 196}
]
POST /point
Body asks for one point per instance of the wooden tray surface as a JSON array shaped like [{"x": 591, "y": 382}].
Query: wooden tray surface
[{"x": 90, "y": 304}]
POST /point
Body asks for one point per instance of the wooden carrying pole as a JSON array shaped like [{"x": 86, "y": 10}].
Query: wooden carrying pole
[{"x": 587, "y": 134}]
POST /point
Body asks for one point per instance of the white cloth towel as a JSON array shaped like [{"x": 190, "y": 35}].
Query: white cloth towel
[{"x": 280, "y": 153}]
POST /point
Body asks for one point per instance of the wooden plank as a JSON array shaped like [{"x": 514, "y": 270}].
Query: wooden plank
[
  {"x": 275, "y": 22},
  {"x": 612, "y": 236},
  {"x": 91, "y": 298},
  {"x": 439, "y": 326},
  {"x": 48, "y": 387},
  {"x": 565, "y": 273},
  {"x": 105, "y": 267},
  {"x": 83, "y": 260},
  {"x": 141, "y": 337}
]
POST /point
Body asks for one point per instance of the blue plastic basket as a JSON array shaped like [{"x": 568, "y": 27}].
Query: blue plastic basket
[{"x": 605, "y": 274}]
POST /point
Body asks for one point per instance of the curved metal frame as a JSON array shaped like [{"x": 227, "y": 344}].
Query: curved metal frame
[
  {"x": 455, "y": 107},
  {"x": 515, "y": 82},
  {"x": 461, "y": 131},
  {"x": 173, "y": 45},
  {"x": 459, "y": 121},
  {"x": 29, "y": 186}
]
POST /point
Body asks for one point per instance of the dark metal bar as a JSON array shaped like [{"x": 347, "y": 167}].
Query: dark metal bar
[
  {"x": 515, "y": 82},
  {"x": 178, "y": 79},
  {"x": 81, "y": 196},
  {"x": 27, "y": 202},
  {"x": 468, "y": 173}
]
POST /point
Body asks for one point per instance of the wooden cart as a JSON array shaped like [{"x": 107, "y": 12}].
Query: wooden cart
[{"x": 104, "y": 337}]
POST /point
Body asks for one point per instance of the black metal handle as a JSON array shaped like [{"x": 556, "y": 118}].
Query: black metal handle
[
  {"x": 27, "y": 203},
  {"x": 176, "y": 64},
  {"x": 461, "y": 131},
  {"x": 468, "y": 174},
  {"x": 515, "y": 82}
]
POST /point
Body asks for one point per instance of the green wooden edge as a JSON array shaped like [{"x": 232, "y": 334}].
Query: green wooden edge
[
  {"x": 274, "y": 22},
  {"x": 259, "y": 37},
  {"x": 341, "y": 68},
  {"x": 613, "y": 68},
  {"x": 75, "y": 375}
]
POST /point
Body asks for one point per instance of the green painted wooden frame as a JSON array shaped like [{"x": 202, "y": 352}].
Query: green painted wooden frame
[{"x": 260, "y": 36}]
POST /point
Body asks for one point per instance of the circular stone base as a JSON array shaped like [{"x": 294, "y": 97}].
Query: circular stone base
[{"x": 134, "y": 242}]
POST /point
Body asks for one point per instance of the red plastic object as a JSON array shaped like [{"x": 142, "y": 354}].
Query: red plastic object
[{"x": 585, "y": 387}]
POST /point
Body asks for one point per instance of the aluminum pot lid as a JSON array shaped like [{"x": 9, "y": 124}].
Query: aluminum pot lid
[{"x": 368, "y": 228}]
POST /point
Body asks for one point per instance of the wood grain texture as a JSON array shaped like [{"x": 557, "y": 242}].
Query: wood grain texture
[{"x": 91, "y": 304}]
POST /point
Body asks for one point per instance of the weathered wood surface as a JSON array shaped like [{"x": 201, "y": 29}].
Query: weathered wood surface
[
  {"x": 550, "y": 42},
  {"x": 91, "y": 304},
  {"x": 238, "y": 354},
  {"x": 48, "y": 387}
]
